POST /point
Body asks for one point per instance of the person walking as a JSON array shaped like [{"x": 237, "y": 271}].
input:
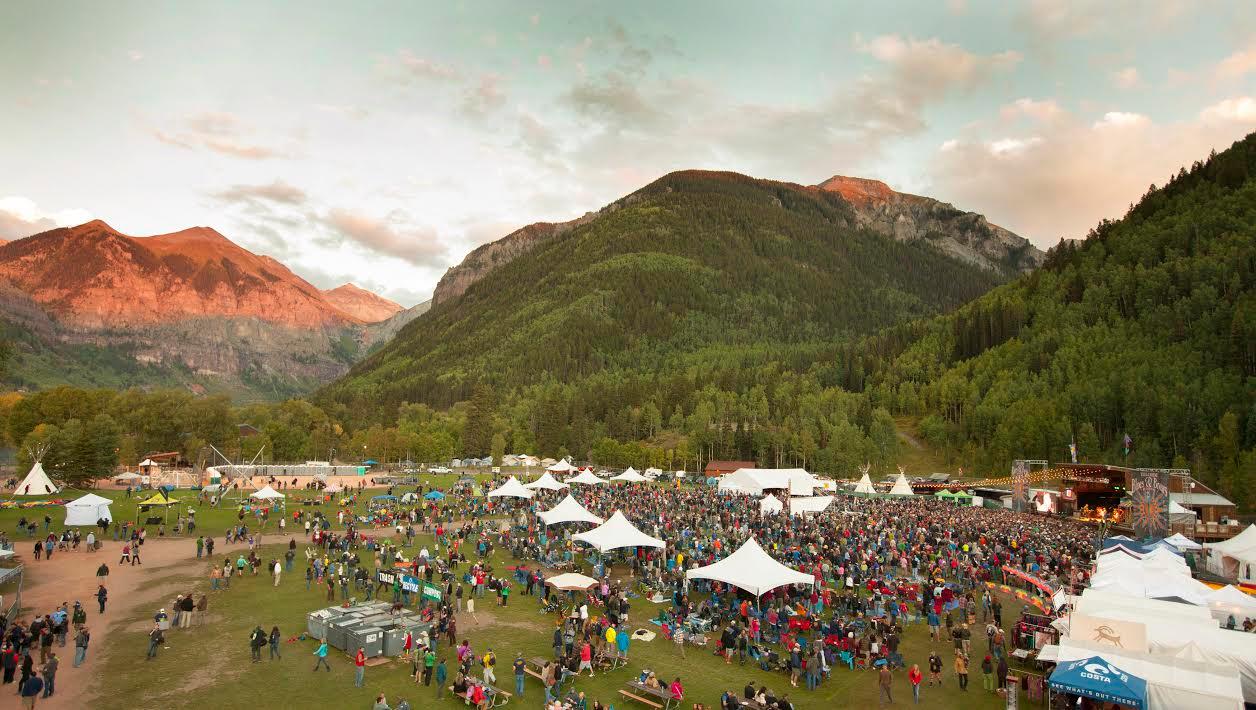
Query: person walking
[
  {"x": 102, "y": 595},
  {"x": 519, "y": 667},
  {"x": 885, "y": 681},
  {"x": 321, "y": 656},
  {"x": 429, "y": 662},
  {"x": 441, "y": 675},
  {"x": 274, "y": 643},
  {"x": 29, "y": 690},
  {"x": 200, "y": 546},
  {"x": 987, "y": 674},
  {"x": 81, "y": 639},
  {"x": 359, "y": 668},
  {"x": 257, "y": 639},
  {"x": 961, "y": 671},
  {"x": 914, "y": 675},
  {"x": 490, "y": 665},
  {"x": 155, "y": 639}
]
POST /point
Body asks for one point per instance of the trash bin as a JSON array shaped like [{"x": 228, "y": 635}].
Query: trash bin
[{"x": 368, "y": 637}]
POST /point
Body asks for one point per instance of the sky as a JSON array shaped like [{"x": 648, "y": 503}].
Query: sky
[{"x": 379, "y": 142}]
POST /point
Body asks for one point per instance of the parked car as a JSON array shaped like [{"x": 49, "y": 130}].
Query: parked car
[{"x": 440, "y": 469}]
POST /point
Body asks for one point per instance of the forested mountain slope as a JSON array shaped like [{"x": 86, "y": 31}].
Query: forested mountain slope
[
  {"x": 694, "y": 263},
  {"x": 1145, "y": 328}
]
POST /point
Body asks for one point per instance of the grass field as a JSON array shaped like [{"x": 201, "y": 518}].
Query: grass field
[{"x": 210, "y": 664}]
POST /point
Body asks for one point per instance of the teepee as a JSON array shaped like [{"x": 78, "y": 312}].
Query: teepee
[
  {"x": 864, "y": 487},
  {"x": 36, "y": 483},
  {"x": 901, "y": 486}
]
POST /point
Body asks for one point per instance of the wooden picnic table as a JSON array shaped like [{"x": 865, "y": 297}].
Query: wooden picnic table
[
  {"x": 533, "y": 667},
  {"x": 659, "y": 693}
]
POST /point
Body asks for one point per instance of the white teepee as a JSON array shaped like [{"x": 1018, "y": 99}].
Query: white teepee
[
  {"x": 865, "y": 485},
  {"x": 36, "y": 483},
  {"x": 901, "y": 486}
]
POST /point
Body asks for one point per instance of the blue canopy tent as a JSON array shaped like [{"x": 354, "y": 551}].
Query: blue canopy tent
[
  {"x": 435, "y": 495},
  {"x": 370, "y": 462},
  {"x": 384, "y": 498},
  {"x": 1098, "y": 679}
]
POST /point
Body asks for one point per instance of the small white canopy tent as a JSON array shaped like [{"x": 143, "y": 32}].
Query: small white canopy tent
[
  {"x": 568, "y": 510},
  {"x": 267, "y": 493},
  {"x": 751, "y": 569},
  {"x": 546, "y": 482},
  {"x": 770, "y": 505},
  {"x": 587, "y": 478},
  {"x": 865, "y": 486},
  {"x": 87, "y": 510},
  {"x": 333, "y": 488},
  {"x": 757, "y": 480},
  {"x": 1230, "y": 600},
  {"x": 812, "y": 504},
  {"x": 127, "y": 476},
  {"x": 561, "y": 467},
  {"x": 616, "y": 533},
  {"x": 36, "y": 483},
  {"x": 901, "y": 487},
  {"x": 512, "y": 488},
  {"x": 630, "y": 476},
  {"x": 1101, "y": 603},
  {"x": 570, "y": 582},
  {"x": 1183, "y": 542}
]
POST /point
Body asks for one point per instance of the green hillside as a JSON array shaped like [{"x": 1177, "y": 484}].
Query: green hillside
[
  {"x": 1147, "y": 327},
  {"x": 694, "y": 266}
]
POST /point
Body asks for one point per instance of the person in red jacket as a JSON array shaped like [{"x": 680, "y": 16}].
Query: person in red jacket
[
  {"x": 915, "y": 676},
  {"x": 359, "y": 669}
]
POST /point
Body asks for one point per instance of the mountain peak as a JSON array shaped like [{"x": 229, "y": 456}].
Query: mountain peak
[
  {"x": 95, "y": 225},
  {"x": 859, "y": 191},
  {"x": 363, "y": 305}
]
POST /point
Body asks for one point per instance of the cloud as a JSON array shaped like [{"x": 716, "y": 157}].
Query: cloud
[
  {"x": 1236, "y": 66},
  {"x": 393, "y": 235},
  {"x": 215, "y": 131},
  {"x": 1126, "y": 78},
  {"x": 408, "y": 67},
  {"x": 1049, "y": 21},
  {"x": 277, "y": 191},
  {"x": 1043, "y": 110},
  {"x": 1067, "y": 174},
  {"x": 21, "y": 217},
  {"x": 485, "y": 97},
  {"x": 134, "y": 55}
]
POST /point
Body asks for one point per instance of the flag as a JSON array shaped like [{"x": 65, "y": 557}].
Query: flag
[
  {"x": 1129, "y": 444},
  {"x": 1072, "y": 449}
]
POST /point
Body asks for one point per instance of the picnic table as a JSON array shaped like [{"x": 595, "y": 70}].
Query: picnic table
[
  {"x": 752, "y": 704},
  {"x": 534, "y": 665},
  {"x": 643, "y": 693}
]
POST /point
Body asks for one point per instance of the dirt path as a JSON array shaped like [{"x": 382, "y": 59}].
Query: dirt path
[{"x": 71, "y": 576}]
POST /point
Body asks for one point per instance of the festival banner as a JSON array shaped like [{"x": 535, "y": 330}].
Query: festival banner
[
  {"x": 408, "y": 582},
  {"x": 1125, "y": 635},
  {"x": 1149, "y": 503},
  {"x": 1029, "y": 578},
  {"x": 1020, "y": 486}
]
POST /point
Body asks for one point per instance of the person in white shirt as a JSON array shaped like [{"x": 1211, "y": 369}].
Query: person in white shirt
[{"x": 276, "y": 572}]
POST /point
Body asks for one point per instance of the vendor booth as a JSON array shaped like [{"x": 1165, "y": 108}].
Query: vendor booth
[{"x": 87, "y": 510}]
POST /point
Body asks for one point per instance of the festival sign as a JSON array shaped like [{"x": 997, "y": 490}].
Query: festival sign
[
  {"x": 408, "y": 582},
  {"x": 1020, "y": 486},
  {"x": 1037, "y": 583},
  {"x": 1149, "y": 503},
  {"x": 1125, "y": 635},
  {"x": 431, "y": 591}
]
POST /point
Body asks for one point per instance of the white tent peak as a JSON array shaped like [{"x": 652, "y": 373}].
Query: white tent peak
[
  {"x": 36, "y": 483},
  {"x": 770, "y": 504},
  {"x": 585, "y": 477},
  {"x": 562, "y": 467},
  {"x": 512, "y": 488},
  {"x": 87, "y": 510},
  {"x": 568, "y": 510},
  {"x": 865, "y": 485},
  {"x": 546, "y": 482},
  {"x": 615, "y": 533},
  {"x": 630, "y": 475},
  {"x": 267, "y": 493},
  {"x": 901, "y": 486},
  {"x": 751, "y": 569}
]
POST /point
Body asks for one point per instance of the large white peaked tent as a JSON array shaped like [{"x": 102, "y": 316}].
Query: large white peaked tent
[
  {"x": 36, "y": 483},
  {"x": 588, "y": 478},
  {"x": 568, "y": 510},
  {"x": 901, "y": 486},
  {"x": 631, "y": 476},
  {"x": 561, "y": 467},
  {"x": 512, "y": 488},
  {"x": 546, "y": 482},
  {"x": 757, "y": 480},
  {"x": 1182, "y": 542},
  {"x": 865, "y": 486},
  {"x": 1236, "y": 557},
  {"x": 87, "y": 510},
  {"x": 751, "y": 569},
  {"x": 616, "y": 533}
]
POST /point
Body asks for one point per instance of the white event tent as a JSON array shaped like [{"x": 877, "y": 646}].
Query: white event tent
[
  {"x": 865, "y": 486},
  {"x": 570, "y": 582},
  {"x": 267, "y": 493},
  {"x": 757, "y": 480},
  {"x": 630, "y": 475},
  {"x": 585, "y": 477},
  {"x": 751, "y": 569},
  {"x": 546, "y": 482},
  {"x": 1230, "y": 600},
  {"x": 616, "y": 533},
  {"x": 901, "y": 487},
  {"x": 1183, "y": 542},
  {"x": 568, "y": 510},
  {"x": 512, "y": 488},
  {"x": 36, "y": 483},
  {"x": 770, "y": 505},
  {"x": 813, "y": 504},
  {"x": 87, "y": 510},
  {"x": 1236, "y": 557},
  {"x": 561, "y": 467}
]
